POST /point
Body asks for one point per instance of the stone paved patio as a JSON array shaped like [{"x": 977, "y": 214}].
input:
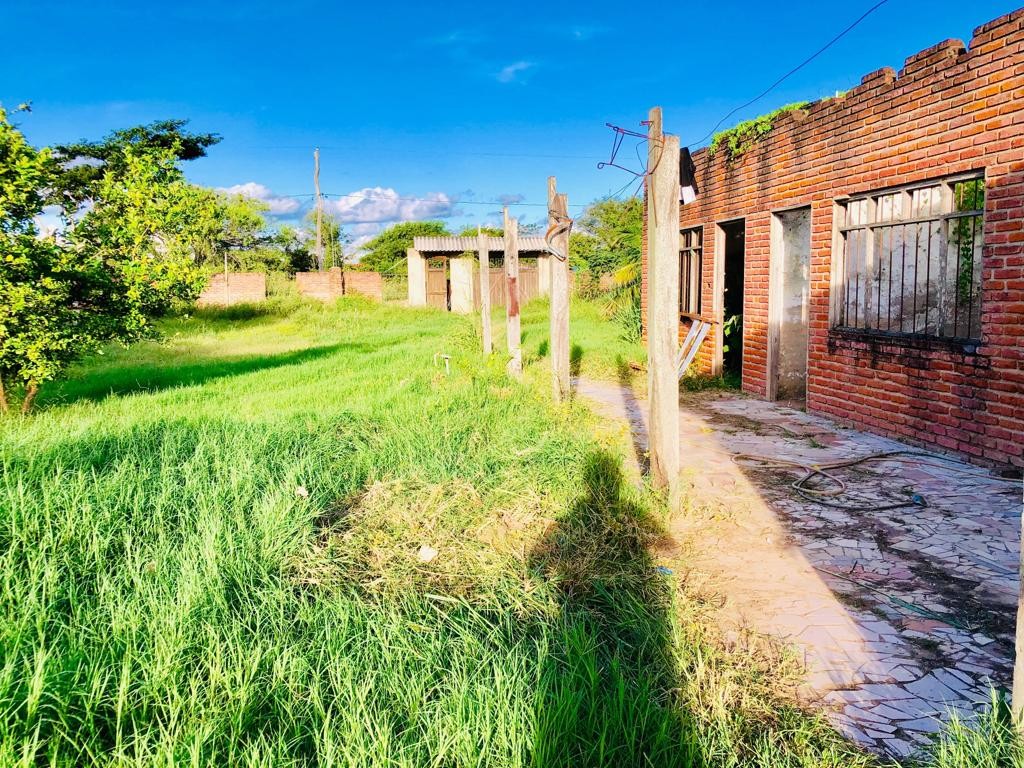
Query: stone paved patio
[{"x": 902, "y": 615}]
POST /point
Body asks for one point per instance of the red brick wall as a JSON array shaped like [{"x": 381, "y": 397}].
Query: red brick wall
[
  {"x": 331, "y": 285},
  {"x": 241, "y": 287},
  {"x": 325, "y": 286},
  {"x": 949, "y": 110},
  {"x": 368, "y": 284}
]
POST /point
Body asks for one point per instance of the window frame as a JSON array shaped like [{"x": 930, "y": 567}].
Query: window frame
[
  {"x": 945, "y": 185},
  {"x": 691, "y": 265}
]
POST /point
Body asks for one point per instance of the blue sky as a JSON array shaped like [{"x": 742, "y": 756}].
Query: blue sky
[{"x": 454, "y": 105}]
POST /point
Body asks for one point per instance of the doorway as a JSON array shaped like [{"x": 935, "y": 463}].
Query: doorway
[
  {"x": 789, "y": 288},
  {"x": 732, "y": 236}
]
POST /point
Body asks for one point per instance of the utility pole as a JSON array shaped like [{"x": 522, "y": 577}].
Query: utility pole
[
  {"x": 512, "y": 327},
  {"x": 319, "y": 210},
  {"x": 558, "y": 232},
  {"x": 662, "y": 180}
]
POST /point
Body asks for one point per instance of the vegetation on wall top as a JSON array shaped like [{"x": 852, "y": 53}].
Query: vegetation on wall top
[{"x": 738, "y": 140}]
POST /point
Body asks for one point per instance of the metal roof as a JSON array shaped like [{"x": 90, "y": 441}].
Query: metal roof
[{"x": 428, "y": 244}]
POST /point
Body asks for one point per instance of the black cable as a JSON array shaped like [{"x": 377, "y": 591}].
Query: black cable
[{"x": 791, "y": 72}]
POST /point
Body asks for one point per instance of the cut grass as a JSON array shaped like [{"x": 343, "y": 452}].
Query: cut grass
[{"x": 170, "y": 596}]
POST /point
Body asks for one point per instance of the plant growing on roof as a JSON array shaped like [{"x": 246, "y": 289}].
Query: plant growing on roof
[{"x": 738, "y": 140}]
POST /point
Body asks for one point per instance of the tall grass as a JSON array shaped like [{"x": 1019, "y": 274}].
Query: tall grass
[{"x": 210, "y": 555}]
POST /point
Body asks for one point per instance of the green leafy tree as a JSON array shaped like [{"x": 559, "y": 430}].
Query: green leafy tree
[
  {"x": 118, "y": 266},
  {"x": 333, "y": 236},
  {"x": 86, "y": 163},
  {"x": 386, "y": 252},
  {"x": 610, "y": 232},
  {"x": 471, "y": 230}
]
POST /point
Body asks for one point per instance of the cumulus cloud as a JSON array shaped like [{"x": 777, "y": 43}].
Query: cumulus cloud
[
  {"x": 513, "y": 72},
  {"x": 278, "y": 204},
  {"x": 385, "y": 205}
]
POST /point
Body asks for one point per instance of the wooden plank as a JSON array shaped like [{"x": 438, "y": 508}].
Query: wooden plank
[
  {"x": 662, "y": 191},
  {"x": 558, "y": 207},
  {"x": 484, "y": 255},
  {"x": 512, "y": 326}
]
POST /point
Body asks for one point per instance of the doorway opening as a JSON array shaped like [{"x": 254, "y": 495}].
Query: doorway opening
[
  {"x": 734, "y": 247},
  {"x": 790, "y": 288}
]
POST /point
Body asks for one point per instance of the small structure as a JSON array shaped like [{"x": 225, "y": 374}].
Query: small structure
[
  {"x": 334, "y": 283},
  {"x": 867, "y": 254},
  {"x": 234, "y": 288},
  {"x": 442, "y": 272}
]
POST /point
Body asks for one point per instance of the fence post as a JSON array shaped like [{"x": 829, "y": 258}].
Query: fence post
[
  {"x": 663, "y": 305},
  {"x": 512, "y": 329},
  {"x": 484, "y": 253},
  {"x": 417, "y": 278},
  {"x": 558, "y": 212}
]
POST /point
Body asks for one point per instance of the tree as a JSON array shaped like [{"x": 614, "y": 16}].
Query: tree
[
  {"x": 85, "y": 163},
  {"x": 334, "y": 239},
  {"x": 387, "y": 251},
  {"x": 610, "y": 232},
  {"x": 471, "y": 230},
  {"x": 122, "y": 263}
]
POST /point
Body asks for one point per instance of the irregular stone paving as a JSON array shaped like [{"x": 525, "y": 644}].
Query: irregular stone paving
[{"x": 903, "y": 615}]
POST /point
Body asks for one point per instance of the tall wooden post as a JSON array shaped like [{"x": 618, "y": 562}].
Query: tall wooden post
[
  {"x": 512, "y": 330},
  {"x": 558, "y": 212},
  {"x": 319, "y": 211},
  {"x": 483, "y": 251},
  {"x": 662, "y": 184}
]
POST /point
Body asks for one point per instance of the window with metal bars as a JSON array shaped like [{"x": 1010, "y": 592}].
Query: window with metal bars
[
  {"x": 691, "y": 263},
  {"x": 910, "y": 260}
]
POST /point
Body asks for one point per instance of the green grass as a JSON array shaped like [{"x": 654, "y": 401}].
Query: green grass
[{"x": 208, "y": 556}]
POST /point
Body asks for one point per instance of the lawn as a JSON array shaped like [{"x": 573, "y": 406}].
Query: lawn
[{"x": 288, "y": 537}]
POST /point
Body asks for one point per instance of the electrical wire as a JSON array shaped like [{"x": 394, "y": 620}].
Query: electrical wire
[{"x": 792, "y": 72}]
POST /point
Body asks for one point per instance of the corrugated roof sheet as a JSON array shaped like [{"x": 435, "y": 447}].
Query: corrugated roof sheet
[{"x": 428, "y": 244}]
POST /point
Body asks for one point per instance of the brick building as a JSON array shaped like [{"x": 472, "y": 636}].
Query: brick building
[{"x": 873, "y": 244}]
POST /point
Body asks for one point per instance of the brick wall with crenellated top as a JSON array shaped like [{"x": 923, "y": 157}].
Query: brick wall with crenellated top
[{"x": 951, "y": 109}]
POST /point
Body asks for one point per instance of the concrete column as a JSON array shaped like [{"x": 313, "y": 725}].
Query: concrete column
[
  {"x": 417, "y": 278},
  {"x": 544, "y": 275},
  {"x": 461, "y": 271}
]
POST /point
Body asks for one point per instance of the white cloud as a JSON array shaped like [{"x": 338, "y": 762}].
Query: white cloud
[
  {"x": 385, "y": 205},
  {"x": 510, "y": 199},
  {"x": 278, "y": 204},
  {"x": 511, "y": 73}
]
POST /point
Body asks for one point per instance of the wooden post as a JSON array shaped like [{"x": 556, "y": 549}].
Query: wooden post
[
  {"x": 558, "y": 209},
  {"x": 483, "y": 251},
  {"x": 319, "y": 211},
  {"x": 417, "y": 273},
  {"x": 512, "y": 330},
  {"x": 662, "y": 184}
]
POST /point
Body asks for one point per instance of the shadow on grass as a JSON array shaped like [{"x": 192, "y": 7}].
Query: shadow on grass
[
  {"x": 575, "y": 360},
  {"x": 605, "y": 695},
  {"x": 130, "y": 378}
]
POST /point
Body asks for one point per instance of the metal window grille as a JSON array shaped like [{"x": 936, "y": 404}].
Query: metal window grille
[
  {"x": 910, "y": 260},
  {"x": 691, "y": 263}
]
